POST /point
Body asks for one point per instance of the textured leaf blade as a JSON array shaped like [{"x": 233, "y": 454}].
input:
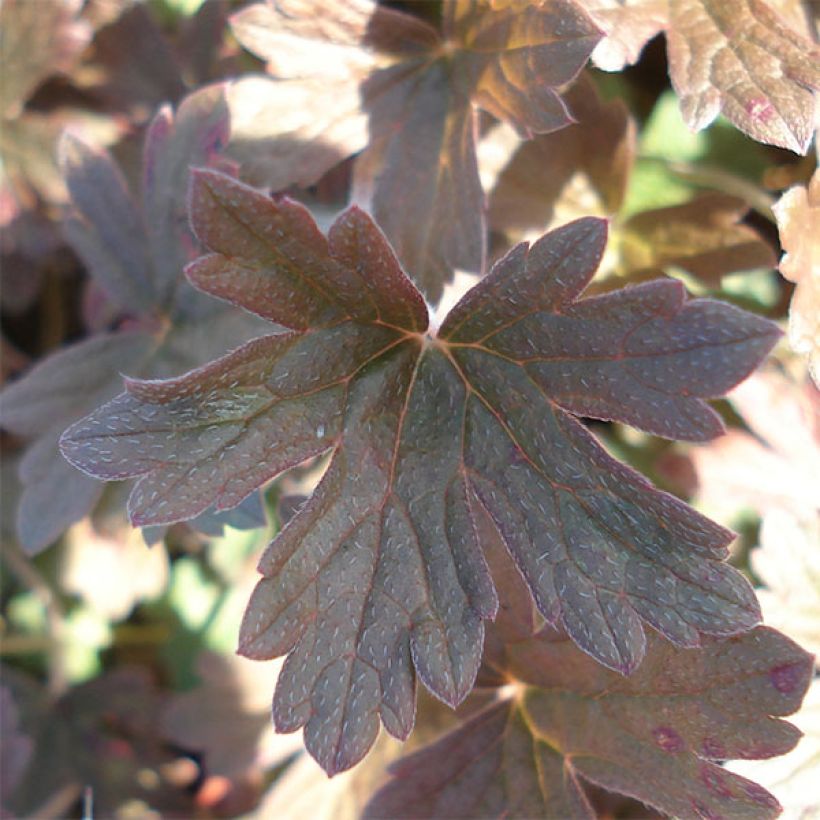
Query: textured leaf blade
[
  {"x": 742, "y": 60},
  {"x": 653, "y": 736},
  {"x": 381, "y": 575}
]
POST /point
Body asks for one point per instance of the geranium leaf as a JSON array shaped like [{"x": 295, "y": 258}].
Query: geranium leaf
[
  {"x": 104, "y": 225},
  {"x": 419, "y": 175},
  {"x": 704, "y": 237},
  {"x": 135, "y": 252},
  {"x": 382, "y": 572},
  {"x": 656, "y": 735},
  {"x": 629, "y": 25},
  {"x": 742, "y": 60}
]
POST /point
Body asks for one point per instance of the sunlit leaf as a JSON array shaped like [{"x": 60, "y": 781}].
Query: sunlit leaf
[
  {"x": 536, "y": 188},
  {"x": 129, "y": 572},
  {"x": 773, "y": 466},
  {"x": 226, "y": 718},
  {"x": 798, "y": 218},
  {"x": 703, "y": 237},
  {"x": 629, "y": 25},
  {"x": 38, "y": 39},
  {"x": 739, "y": 58},
  {"x": 418, "y": 89},
  {"x": 380, "y": 575}
]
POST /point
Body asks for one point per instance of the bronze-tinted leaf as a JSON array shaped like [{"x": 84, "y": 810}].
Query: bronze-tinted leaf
[
  {"x": 703, "y": 237},
  {"x": 135, "y": 252},
  {"x": 629, "y": 25},
  {"x": 657, "y": 735},
  {"x": 381, "y": 574},
  {"x": 419, "y": 175},
  {"x": 531, "y": 190},
  {"x": 740, "y": 59}
]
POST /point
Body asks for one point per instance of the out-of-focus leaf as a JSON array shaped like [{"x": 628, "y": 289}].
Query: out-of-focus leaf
[
  {"x": 40, "y": 405},
  {"x": 38, "y": 39},
  {"x": 703, "y": 237},
  {"x": 419, "y": 175},
  {"x": 788, "y": 564},
  {"x": 798, "y": 218},
  {"x": 533, "y": 192},
  {"x": 16, "y": 748},
  {"x": 227, "y": 717},
  {"x": 381, "y": 573},
  {"x": 562, "y": 722},
  {"x": 774, "y": 467},
  {"x": 136, "y": 253},
  {"x": 628, "y": 25},
  {"x": 112, "y": 572},
  {"x": 102, "y": 735},
  {"x": 131, "y": 65},
  {"x": 739, "y": 58}
]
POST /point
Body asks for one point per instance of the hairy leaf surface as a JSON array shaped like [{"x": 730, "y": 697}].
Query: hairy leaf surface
[
  {"x": 658, "y": 735},
  {"x": 381, "y": 573},
  {"x": 562, "y": 721},
  {"x": 418, "y": 88},
  {"x": 741, "y": 59}
]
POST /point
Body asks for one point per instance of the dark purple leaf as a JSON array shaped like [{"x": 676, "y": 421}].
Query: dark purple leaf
[
  {"x": 657, "y": 736},
  {"x": 382, "y": 573}
]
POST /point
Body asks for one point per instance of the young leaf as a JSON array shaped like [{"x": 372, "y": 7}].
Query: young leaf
[
  {"x": 381, "y": 572},
  {"x": 419, "y": 174},
  {"x": 740, "y": 58},
  {"x": 657, "y": 735}
]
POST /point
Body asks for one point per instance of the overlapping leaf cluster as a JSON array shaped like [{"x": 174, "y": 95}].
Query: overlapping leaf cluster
[{"x": 469, "y": 529}]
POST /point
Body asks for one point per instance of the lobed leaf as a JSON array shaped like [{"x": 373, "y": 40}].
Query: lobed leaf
[
  {"x": 742, "y": 59},
  {"x": 418, "y": 175},
  {"x": 382, "y": 574},
  {"x": 704, "y": 237},
  {"x": 657, "y": 735},
  {"x": 135, "y": 252}
]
